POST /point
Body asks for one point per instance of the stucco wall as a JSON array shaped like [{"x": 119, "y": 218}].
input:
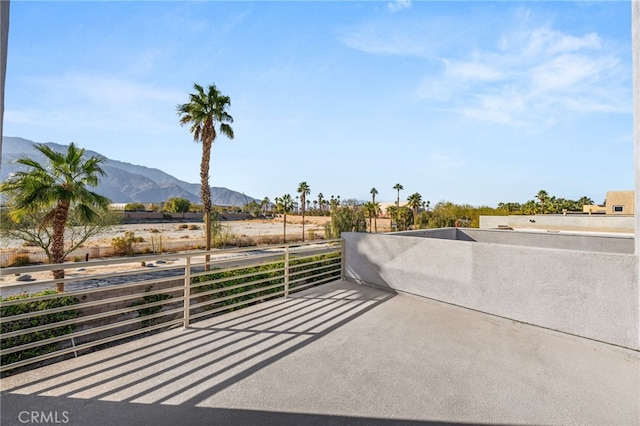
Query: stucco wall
[
  {"x": 582, "y": 242},
  {"x": 589, "y": 294},
  {"x": 623, "y": 199},
  {"x": 588, "y": 223}
]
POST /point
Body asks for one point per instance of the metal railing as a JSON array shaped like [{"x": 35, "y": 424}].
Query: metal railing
[{"x": 110, "y": 300}]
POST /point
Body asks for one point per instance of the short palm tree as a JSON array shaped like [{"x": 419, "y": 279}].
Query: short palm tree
[
  {"x": 204, "y": 111},
  {"x": 398, "y": 188},
  {"x": 542, "y": 196},
  {"x": 371, "y": 209},
  {"x": 54, "y": 188},
  {"x": 414, "y": 201},
  {"x": 265, "y": 204},
  {"x": 303, "y": 190}
]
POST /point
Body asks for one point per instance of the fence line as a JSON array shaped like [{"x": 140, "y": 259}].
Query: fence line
[{"x": 102, "y": 308}]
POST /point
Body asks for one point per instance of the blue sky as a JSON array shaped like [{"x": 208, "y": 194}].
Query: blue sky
[{"x": 471, "y": 102}]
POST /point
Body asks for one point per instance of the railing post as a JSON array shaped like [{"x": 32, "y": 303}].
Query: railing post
[
  {"x": 286, "y": 271},
  {"x": 342, "y": 259},
  {"x": 187, "y": 292}
]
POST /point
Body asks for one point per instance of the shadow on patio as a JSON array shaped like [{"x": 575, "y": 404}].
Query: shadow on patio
[{"x": 336, "y": 354}]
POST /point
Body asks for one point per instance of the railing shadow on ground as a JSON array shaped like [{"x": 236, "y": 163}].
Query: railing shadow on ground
[
  {"x": 166, "y": 379},
  {"x": 114, "y": 306}
]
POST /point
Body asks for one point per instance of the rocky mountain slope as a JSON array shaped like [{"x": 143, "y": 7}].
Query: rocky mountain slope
[{"x": 124, "y": 182}]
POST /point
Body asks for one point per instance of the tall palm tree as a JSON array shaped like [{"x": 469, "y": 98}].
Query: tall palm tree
[
  {"x": 204, "y": 111},
  {"x": 321, "y": 201},
  {"x": 284, "y": 205},
  {"x": 303, "y": 190},
  {"x": 414, "y": 201},
  {"x": 373, "y": 193},
  {"x": 54, "y": 188},
  {"x": 265, "y": 204},
  {"x": 398, "y": 188}
]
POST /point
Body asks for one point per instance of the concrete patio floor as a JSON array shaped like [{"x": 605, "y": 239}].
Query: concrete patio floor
[{"x": 338, "y": 354}]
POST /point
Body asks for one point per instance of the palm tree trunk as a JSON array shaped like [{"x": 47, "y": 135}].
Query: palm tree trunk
[
  {"x": 205, "y": 194},
  {"x": 57, "y": 242},
  {"x": 285, "y": 228},
  {"x": 303, "y": 221}
]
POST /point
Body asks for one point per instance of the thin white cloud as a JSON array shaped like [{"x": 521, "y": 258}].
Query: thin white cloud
[
  {"x": 473, "y": 71},
  {"x": 88, "y": 101},
  {"x": 398, "y": 5},
  {"x": 523, "y": 74},
  {"x": 531, "y": 77},
  {"x": 376, "y": 39}
]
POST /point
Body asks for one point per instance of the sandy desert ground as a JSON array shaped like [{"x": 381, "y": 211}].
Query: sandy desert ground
[
  {"x": 189, "y": 232},
  {"x": 176, "y": 236}
]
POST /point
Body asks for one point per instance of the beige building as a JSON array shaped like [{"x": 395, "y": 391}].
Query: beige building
[{"x": 620, "y": 202}]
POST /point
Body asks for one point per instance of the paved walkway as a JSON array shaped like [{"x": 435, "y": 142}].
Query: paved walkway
[{"x": 340, "y": 354}]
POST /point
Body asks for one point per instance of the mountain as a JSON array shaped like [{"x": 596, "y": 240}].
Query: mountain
[{"x": 124, "y": 182}]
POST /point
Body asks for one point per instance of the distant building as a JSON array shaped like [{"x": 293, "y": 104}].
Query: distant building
[
  {"x": 594, "y": 209},
  {"x": 620, "y": 202}
]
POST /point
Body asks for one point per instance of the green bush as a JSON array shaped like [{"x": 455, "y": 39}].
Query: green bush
[
  {"x": 33, "y": 306},
  {"x": 150, "y": 298}
]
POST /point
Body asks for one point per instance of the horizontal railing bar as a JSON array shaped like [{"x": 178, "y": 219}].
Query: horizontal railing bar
[
  {"x": 322, "y": 263},
  {"x": 233, "y": 268},
  {"x": 315, "y": 277},
  {"x": 317, "y": 268},
  {"x": 89, "y": 331},
  {"x": 87, "y": 345},
  {"x": 322, "y": 272},
  {"x": 244, "y": 302},
  {"x": 84, "y": 305},
  {"x": 177, "y": 278},
  {"x": 234, "y": 277},
  {"x": 233, "y": 296},
  {"x": 302, "y": 287},
  {"x": 233, "y": 287},
  {"x": 88, "y": 318}
]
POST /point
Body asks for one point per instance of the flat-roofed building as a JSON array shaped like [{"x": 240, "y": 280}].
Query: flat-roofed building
[{"x": 620, "y": 202}]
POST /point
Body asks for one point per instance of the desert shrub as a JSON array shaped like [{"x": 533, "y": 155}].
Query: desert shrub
[
  {"x": 183, "y": 226},
  {"x": 123, "y": 246},
  {"x": 21, "y": 324},
  {"x": 20, "y": 259},
  {"x": 193, "y": 227},
  {"x": 134, "y": 207},
  {"x": 154, "y": 230}
]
